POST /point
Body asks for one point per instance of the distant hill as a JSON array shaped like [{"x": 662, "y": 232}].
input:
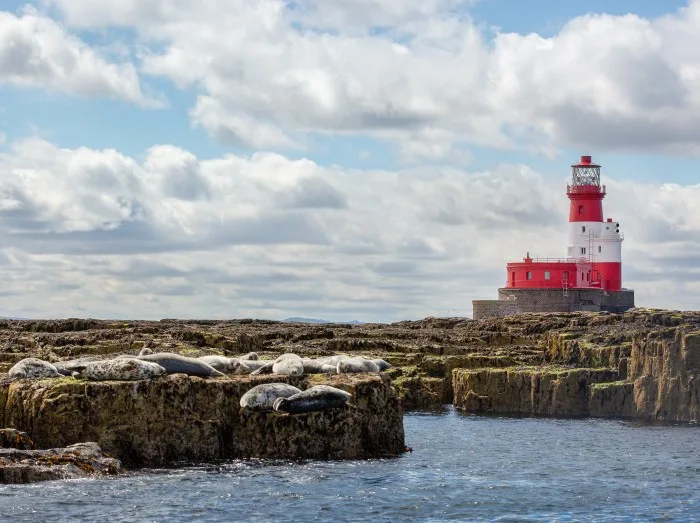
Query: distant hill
[{"x": 296, "y": 319}]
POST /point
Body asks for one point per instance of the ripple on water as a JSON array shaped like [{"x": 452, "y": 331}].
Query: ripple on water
[{"x": 463, "y": 467}]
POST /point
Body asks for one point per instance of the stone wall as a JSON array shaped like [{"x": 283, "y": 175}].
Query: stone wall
[
  {"x": 494, "y": 308},
  {"x": 517, "y": 301}
]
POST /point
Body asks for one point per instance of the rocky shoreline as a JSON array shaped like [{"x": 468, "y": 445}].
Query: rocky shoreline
[{"x": 641, "y": 364}]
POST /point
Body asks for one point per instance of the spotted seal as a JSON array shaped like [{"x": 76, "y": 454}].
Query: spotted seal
[
  {"x": 289, "y": 365},
  {"x": 118, "y": 369},
  {"x": 32, "y": 368},
  {"x": 65, "y": 367},
  {"x": 356, "y": 365},
  {"x": 264, "y": 396},
  {"x": 319, "y": 397},
  {"x": 176, "y": 364},
  {"x": 226, "y": 365}
]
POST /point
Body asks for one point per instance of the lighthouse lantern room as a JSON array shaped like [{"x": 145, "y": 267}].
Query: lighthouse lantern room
[{"x": 593, "y": 251}]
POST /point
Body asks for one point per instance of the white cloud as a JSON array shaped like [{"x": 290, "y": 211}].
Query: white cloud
[
  {"x": 610, "y": 82},
  {"x": 262, "y": 235},
  {"x": 36, "y": 51}
]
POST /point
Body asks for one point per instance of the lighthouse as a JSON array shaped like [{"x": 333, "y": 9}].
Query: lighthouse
[
  {"x": 589, "y": 275},
  {"x": 590, "y": 238}
]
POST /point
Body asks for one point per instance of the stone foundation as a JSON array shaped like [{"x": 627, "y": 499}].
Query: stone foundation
[{"x": 513, "y": 301}]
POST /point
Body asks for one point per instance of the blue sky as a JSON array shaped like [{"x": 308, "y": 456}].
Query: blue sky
[{"x": 419, "y": 136}]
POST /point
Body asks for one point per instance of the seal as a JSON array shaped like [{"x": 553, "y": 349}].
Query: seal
[
  {"x": 176, "y": 364},
  {"x": 145, "y": 351},
  {"x": 355, "y": 365},
  {"x": 254, "y": 365},
  {"x": 288, "y": 365},
  {"x": 226, "y": 365},
  {"x": 383, "y": 365},
  {"x": 250, "y": 356},
  {"x": 64, "y": 367},
  {"x": 33, "y": 368},
  {"x": 264, "y": 396},
  {"x": 317, "y": 367},
  {"x": 320, "y": 397},
  {"x": 126, "y": 369},
  {"x": 333, "y": 360},
  {"x": 265, "y": 368}
]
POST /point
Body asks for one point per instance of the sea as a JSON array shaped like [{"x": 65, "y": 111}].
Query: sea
[{"x": 462, "y": 468}]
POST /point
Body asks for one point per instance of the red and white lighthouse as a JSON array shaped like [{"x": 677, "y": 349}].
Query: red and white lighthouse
[
  {"x": 588, "y": 278},
  {"x": 590, "y": 238},
  {"x": 593, "y": 252}
]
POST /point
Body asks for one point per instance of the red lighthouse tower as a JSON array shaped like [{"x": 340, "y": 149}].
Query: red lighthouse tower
[{"x": 589, "y": 277}]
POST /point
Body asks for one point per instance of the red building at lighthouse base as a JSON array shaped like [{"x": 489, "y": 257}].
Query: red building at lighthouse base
[{"x": 588, "y": 278}]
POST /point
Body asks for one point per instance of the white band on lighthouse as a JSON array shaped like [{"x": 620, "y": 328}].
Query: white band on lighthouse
[{"x": 594, "y": 241}]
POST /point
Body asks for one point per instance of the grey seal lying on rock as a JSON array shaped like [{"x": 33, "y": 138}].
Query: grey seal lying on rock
[
  {"x": 33, "y": 368},
  {"x": 64, "y": 367},
  {"x": 250, "y": 356},
  {"x": 317, "y": 367},
  {"x": 226, "y": 365},
  {"x": 320, "y": 397},
  {"x": 264, "y": 396},
  {"x": 383, "y": 365},
  {"x": 117, "y": 369},
  {"x": 254, "y": 365},
  {"x": 333, "y": 360},
  {"x": 356, "y": 365},
  {"x": 289, "y": 365},
  {"x": 265, "y": 368},
  {"x": 176, "y": 364}
]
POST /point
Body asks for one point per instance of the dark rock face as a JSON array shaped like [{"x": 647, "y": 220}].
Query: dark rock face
[
  {"x": 75, "y": 461},
  {"x": 15, "y": 439},
  {"x": 179, "y": 418}
]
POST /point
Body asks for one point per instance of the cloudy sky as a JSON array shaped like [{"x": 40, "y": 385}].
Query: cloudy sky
[{"x": 348, "y": 159}]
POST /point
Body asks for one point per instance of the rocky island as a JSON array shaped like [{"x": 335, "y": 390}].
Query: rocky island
[{"x": 641, "y": 364}]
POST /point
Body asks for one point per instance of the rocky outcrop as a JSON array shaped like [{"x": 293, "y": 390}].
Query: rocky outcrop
[
  {"x": 548, "y": 391},
  {"x": 656, "y": 376},
  {"x": 177, "y": 418},
  {"x": 664, "y": 369},
  {"x": 75, "y": 461},
  {"x": 649, "y": 356}
]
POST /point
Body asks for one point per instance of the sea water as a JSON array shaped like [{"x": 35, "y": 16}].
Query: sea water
[{"x": 463, "y": 467}]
